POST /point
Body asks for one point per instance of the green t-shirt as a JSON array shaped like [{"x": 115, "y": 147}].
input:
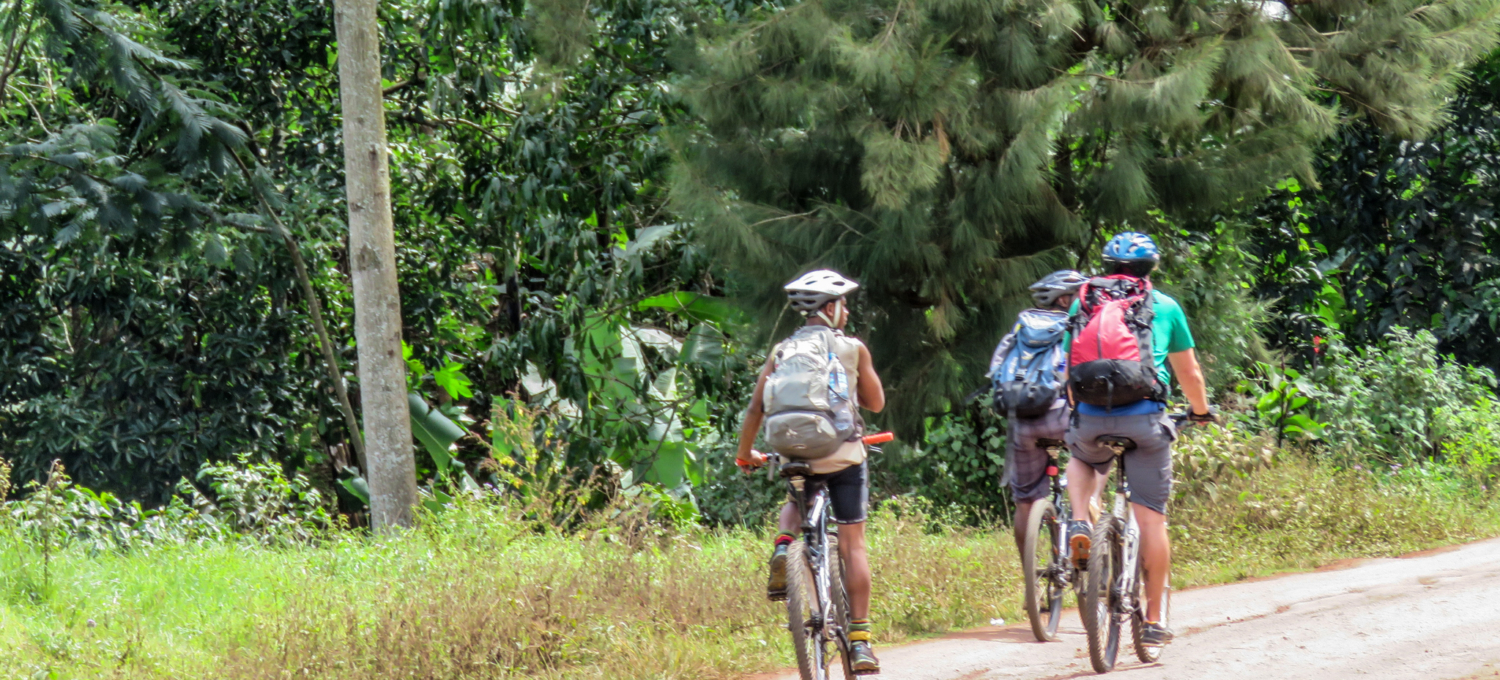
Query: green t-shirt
[{"x": 1169, "y": 331}]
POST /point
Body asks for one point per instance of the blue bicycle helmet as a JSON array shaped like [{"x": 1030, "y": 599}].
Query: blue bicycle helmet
[{"x": 1132, "y": 251}]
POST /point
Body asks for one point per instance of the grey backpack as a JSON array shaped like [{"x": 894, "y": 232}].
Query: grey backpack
[{"x": 809, "y": 410}]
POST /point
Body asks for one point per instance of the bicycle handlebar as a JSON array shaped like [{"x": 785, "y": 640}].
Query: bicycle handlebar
[{"x": 772, "y": 456}]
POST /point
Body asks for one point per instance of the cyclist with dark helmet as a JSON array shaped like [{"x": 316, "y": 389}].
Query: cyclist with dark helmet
[
  {"x": 1132, "y": 257},
  {"x": 1031, "y": 396},
  {"x": 820, "y": 296}
]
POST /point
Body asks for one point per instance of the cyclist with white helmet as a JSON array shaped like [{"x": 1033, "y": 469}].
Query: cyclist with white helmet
[
  {"x": 820, "y": 296},
  {"x": 1032, "y": 395}
]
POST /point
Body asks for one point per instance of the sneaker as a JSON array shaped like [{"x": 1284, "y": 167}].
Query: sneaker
[
  {"x": 776, "y": 584},
  {"x": 862, "y": 659},
  {"x": 1080, "y": 540},
  {"x": 1156, "y": 635}
]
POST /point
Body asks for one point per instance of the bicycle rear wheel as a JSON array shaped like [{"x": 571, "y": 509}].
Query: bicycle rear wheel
[
  {"x": 1099, "y": 607},
  {"x": 808, "y": 641},
  {"x": 1148, "y": 654},
  {"x": 1040, "y": 564}
]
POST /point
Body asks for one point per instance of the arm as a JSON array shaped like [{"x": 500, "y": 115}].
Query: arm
[
  {"x": 754, "y": 416},
  {"x": 1190, "y": 376},
  {"x": 871, "y": 392}
]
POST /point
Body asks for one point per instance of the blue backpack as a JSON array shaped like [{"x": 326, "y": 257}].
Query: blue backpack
[{"x": 1024, "y": 370}]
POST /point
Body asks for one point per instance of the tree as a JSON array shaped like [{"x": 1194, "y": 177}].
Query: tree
[
  {"x": 391, "y": 468},
  {"x": 145, "y": 295},
  {"x": 1400, "y": 232},
  {"x": 948, "y": 152}
]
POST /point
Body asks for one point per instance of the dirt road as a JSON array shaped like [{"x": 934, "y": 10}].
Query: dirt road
[{"x": 1427, "y": 617}]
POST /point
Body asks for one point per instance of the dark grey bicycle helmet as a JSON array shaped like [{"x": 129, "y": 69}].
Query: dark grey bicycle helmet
[
  {"x": 1055, "y": 285},
  {"x": 811, "y": 291}
]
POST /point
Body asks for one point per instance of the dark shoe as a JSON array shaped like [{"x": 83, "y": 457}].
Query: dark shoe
[
  {"x": 862, "y": 659},
  {"x": 776, "y": 584},
  {"x": 1156, "y": 635},
  {"x": 1080, "y": 540}
]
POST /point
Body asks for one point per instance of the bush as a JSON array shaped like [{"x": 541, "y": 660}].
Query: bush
[
  {"x": 249, "y": 501},
  {"x": 958, "y": 466},
  {"x": 1474, "y": 446},
  {"x": 1383, "y": 403}
]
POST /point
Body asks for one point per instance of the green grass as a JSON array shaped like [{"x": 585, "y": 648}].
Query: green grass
[{"x": 475, "y": 595}]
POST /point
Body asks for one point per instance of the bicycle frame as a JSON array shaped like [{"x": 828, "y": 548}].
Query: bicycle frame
[
  {"x": 815, "y": 539},
  {"x": 1059, "y": 501},
  {"x": 1124, "y": 589}
]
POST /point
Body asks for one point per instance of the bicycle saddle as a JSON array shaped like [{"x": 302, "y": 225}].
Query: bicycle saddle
[
  {"x": 796, "y": 468},
  {"x": 1045, "y": 443},
  {"x": 1113, "y": 441}
]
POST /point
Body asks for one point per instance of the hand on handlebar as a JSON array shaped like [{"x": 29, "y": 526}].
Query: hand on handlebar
[
  {"x": 1203, "y": 418},
  {"x": 751, "y": 462}
]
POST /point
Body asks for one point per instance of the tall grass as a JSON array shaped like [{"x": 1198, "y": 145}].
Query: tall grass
[{"x": 477, "y": 593}]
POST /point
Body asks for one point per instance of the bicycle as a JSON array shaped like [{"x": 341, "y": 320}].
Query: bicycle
[
  {"x": 1115, "y": 587},
  {"x": 817, "y": 605},
  {"x": 1045, "y": 562}
]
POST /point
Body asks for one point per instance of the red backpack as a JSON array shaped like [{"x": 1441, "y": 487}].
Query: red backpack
[{"x": 1111, "y": 361}]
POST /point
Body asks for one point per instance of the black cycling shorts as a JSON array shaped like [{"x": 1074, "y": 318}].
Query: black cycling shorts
[{"x": 848, "y": 493}]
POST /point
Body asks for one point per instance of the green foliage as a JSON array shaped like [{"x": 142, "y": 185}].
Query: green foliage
[
  {"x": 957, "y": 466},
  {"x": 1399, "y": 232},
  {"x": 607, "y": 601},
  {"x": 1283, "y": 400},
  {"x": 1385, "y": 403},
  {"x": 1474, "y": 446},
  {"x": 246, "y": 500},
  {"x": 1209, "y": 461},
  {"x": 946, "y": 154},
  {"x": 1211, "y": 274},
  {"x": 151, "y": 321}
]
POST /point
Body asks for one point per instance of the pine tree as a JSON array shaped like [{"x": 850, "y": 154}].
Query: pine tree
[{"x": 947, "y": 153}]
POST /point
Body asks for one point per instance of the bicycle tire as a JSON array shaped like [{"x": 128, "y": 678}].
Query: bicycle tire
[
  {"x": 1138, "y": 619},
  {"x": 1039, "y": 558},
  {"x": 798, "y": 611},
  {"x": 1098, "y": 607},
  {"x": 799, "y": 607}
]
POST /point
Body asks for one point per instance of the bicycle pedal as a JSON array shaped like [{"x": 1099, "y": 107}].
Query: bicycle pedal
[
  {"x": 867, "y": 672},
  {"x": 778, "y": 596}
]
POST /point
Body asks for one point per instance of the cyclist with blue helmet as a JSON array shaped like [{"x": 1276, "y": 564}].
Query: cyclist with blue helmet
[{"x": 1129, "y": 259}]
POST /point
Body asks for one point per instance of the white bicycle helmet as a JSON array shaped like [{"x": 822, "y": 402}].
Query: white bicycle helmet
[{"x": 816, "y": 288}]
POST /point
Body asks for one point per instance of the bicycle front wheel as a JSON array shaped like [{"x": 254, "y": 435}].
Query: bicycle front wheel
[
  {"x": 803, "y": 618},
  {"x": 1148, "y": 654},
  {"x": 1099, "y": 607},
  {"x": 1041, "y": 563}
]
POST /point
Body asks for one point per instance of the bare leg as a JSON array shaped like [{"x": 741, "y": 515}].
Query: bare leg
[
  {"x": 1156, "y": 556},
  {"x": 1023, "y": 513},
  {"x": 791, "y": 518},
  {"x": 1083, "y": 487},
  {"x": 856, "y": 569}
]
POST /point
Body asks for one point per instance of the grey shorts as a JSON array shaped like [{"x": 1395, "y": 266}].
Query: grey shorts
[
  {"x": 1026, "y": 463},
  {"x": 1148, "y": 467}
]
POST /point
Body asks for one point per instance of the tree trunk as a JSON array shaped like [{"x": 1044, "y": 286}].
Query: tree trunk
[{"x": 372, "y": 253}]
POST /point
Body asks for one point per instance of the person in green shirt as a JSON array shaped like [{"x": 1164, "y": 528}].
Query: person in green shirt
[{"x": 1149, "y": 465}]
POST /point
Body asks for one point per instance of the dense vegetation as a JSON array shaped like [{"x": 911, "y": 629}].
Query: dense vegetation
[
  {"x": 595, "y": 205},
  {"x": 596, "y": 202}
]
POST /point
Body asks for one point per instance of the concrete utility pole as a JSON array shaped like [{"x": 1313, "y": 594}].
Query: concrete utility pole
[{"x": 392, "y": 471}]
